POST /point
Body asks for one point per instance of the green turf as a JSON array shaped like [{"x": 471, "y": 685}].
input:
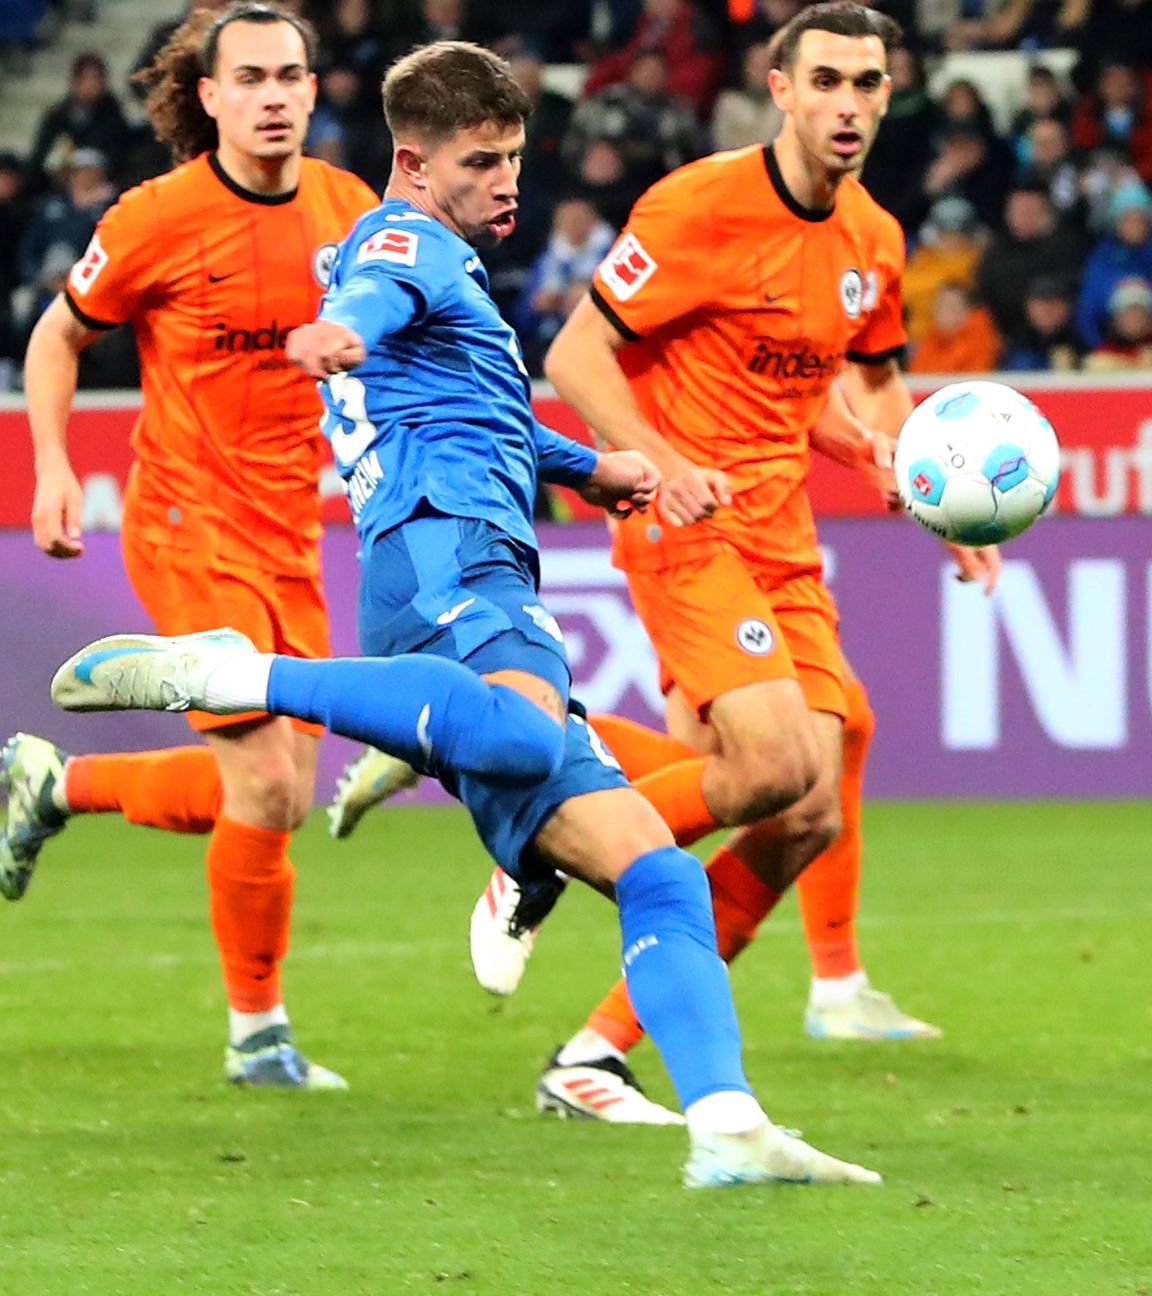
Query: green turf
[{"x": 1017, "y": 1150}]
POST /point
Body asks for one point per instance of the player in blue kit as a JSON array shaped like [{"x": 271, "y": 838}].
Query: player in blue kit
[{"x": 466, "y": 676}]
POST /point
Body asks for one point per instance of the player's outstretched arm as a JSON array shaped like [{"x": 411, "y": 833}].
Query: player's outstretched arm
[
  {"x": 324, "y": 348},
  {"x": 582, "y": 365},
  {"x": 50, "y": 369},
  {"x": 839, "y": 435},
  {"x": 879, "y": 396}
]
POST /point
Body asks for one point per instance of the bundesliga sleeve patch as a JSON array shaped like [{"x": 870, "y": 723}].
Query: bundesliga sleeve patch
[
  {"x": 627, "y": 268},
  {"x": 390, "y": 245},
  {"x": 87, "y": 269}
]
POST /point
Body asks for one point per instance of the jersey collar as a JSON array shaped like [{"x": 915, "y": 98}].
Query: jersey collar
[
  {"x": 813, "y": 214},
  {"x": 249, "y": 195}
]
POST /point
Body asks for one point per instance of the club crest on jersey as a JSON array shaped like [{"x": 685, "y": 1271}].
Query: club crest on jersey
[
  {"x": 852, "y": 293},
  {"x": 322, "y": 263},
  {"x": 755, "y": 637},
  {"x": 390, "y": 245},
  {"x": 627, "y": 268},
  {"x": 86, "y": 270}
]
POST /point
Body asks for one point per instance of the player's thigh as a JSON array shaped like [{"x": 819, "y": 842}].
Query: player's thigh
[{"x": 184, "y": 592}]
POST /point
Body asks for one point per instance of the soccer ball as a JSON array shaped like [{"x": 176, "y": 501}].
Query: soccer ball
[{"x": 977, "y": 463}]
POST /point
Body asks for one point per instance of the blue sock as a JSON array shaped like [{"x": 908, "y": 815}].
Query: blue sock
[
  {"x": 434, "y": 713},
  {"x": 677, "y": 981}
]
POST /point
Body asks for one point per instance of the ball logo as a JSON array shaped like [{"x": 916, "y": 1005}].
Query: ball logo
[
  {"x": 852, "y": 293},
  {"x": 755, "y": 637},
  {"x": 322, "y": 263},
  {"x": 923, "y": 484}
]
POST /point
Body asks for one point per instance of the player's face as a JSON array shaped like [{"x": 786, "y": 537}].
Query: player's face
[
  {"x": 835, "y": 96},
  {"x": 472, "y": 181},
  {"x": 262, "y": 94}
]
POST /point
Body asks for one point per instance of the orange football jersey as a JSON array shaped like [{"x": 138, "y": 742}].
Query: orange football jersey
[
  {"x": 212, "y": 278},
  {"x": 740, "y": 307}
]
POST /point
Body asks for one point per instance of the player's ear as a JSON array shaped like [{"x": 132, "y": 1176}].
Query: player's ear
[
  {"x": 780, "y": 84},
  {"x": 409, "y": 161},
  {"x": 209, "y": 93}
]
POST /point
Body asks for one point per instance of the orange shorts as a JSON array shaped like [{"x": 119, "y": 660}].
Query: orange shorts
[
  {"x": 720, "y": 623},
  {"x": 184, "y": 592}
]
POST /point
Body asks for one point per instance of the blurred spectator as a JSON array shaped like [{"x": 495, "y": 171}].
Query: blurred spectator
[
  {"x": 972, "y": 165},
  {"x": 561, "y": 275},
  {"x": 1116, "y": 29},
  {"x": 1104, "y": 175},
  {"x": 746, "y": 114},
  {"x": 343, "y": 133},
  {"x": 962, "y": 104},
  {"x": 13, "y": 217},
  {"x": 961, "y": 339},
  {"x": 1128, "y": 341},
  {"x": 556, "y": 31},
  {"x": 351, "y": 39},
  {"x": 1122, "y": 254},
  {"x": 1021, "y": 24},
  {"x": 760, "y": 20},
  {"x": 689, "y": 44},
  {"x": 1048, "y": 161},
  {"x": 1033, "y": 242},
  {"x": 67, "y": 219},
  {"x": 604, "y": 179},
  {"x": 1047, "y": 339},
  {"x": 89, "y": 117},
  {"x": 436, "y": 20},
  {"x": 159, "y": 36},
  {"x": 654, "y": 130},
  {"x": 894, "y": 171},
  {"x": 1117, "y": 113},
  {"x": 545, "y": 129},
  {"x": 19, "y": 20},
  {"x": 1043, "y": 98},
  {"x": 951, "y": 241}
]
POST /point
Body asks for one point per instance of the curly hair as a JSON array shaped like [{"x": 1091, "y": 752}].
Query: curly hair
[{"x": 173, "y": 78}]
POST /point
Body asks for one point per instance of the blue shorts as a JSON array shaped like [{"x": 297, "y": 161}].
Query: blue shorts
[{"x": 463, "y": 589}]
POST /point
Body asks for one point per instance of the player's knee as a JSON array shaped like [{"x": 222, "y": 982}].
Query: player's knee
[
  {"x": 768, "y": 783},
  {"x": 529, "y": 746},
  {"x": 267, "y": 791},
  {"x": 673, "y": 882}
]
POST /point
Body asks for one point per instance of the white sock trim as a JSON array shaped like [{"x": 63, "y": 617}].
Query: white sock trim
[
  {"x": 728, "y": 1111},
  {"x": 587, "y": 1046},
  {"x": 243, "y": 1024},
  {"x": 834, "y": 992},
  {"x": 239, "y": 684}
]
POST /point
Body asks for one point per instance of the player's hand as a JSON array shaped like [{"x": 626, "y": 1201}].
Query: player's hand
[
  {"x": 624, "y": 480},
  {"x": 690, "y": 493},
  {"x": 977, "y": 563},
  {"x": 57, "y": 508},
  {"x": 324, "y": 348},
  {"x": 882, "y": 473}
]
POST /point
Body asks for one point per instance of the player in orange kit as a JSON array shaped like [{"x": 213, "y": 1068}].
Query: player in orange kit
[
  {"x": 213, "y": 264},
  {"x": 743, "y": 285}
]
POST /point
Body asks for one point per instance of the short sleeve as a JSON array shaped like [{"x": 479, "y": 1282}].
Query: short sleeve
[
  {"x": 653, "y": 273},
  {"x": 106, "y": 285},
  {"x": 882, "y": 335}
]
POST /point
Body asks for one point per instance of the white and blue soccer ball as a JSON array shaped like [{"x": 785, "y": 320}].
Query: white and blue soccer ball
[{"x": 977, "y": 463}]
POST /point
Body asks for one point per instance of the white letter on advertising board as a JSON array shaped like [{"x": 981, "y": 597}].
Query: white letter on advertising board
[{"x": 1077, "y": 692}]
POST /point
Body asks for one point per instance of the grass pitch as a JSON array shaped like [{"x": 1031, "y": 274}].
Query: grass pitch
[{"x": 1016, "y": 1150}]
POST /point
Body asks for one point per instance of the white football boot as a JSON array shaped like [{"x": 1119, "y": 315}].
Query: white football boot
[
  {"x": 371, "y": 778},
  {"x": 868, "y": 1015},
  {"x": 145, "y": 672},
  {"x": 767, "y": 1154},
  {"x": 603, "y": 1090},
  {"x": 503, "y": 928}
]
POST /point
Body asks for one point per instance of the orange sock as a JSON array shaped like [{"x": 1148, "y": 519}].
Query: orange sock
[
  {"x": 250, "y": 894},
  {"x": 829, "y": 887},
  {"x": 639, "y": 750},
  {"x": 740, "y": 903},
  {"x": 177, "y": 789}
]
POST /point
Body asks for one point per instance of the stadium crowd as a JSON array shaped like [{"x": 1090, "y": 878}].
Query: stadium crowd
[{"x": 1029, "y": 239}]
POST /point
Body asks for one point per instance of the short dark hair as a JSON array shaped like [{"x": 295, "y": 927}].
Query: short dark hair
[
  {"x": 250, "y": 11},
  {"x": 449, "y": 86},
  {"x": 842, "y": 18}
]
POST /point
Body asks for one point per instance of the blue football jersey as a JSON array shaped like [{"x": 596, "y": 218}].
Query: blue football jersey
[{"x": 440, "y": 409}]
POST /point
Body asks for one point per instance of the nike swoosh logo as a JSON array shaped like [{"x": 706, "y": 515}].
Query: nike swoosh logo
[
  {"x": 220, "y": 278},
  {"x": 446, "y": 618},
  {"x": 85, "y": 668},
  {"x": 769, "y": 298}
]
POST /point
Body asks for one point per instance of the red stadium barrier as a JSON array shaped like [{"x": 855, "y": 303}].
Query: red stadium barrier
[{"x": 1104, "y": 424}]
